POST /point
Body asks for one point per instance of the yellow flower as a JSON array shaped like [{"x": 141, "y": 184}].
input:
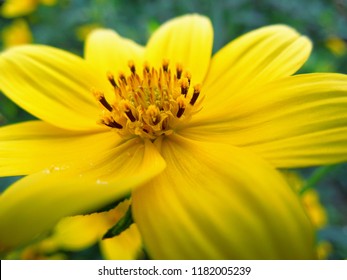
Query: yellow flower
[
  {"x": 315, "y": 209},
  {"x": 336, "y": 45},
  {"x": 309, "y": 198},
  {"x": 324, "y": 248},
  {"x": 17, "y": 8},
  {"x": 83, "y": 31},
  {"x": 195, "y": 139},
  {"x": 18, "y": 33}
]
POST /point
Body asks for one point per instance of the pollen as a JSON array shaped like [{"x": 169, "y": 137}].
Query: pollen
[{"x": 149, "y": 103}]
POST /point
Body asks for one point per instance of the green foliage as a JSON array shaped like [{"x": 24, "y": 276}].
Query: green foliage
[{"x": 124, "y": 223}]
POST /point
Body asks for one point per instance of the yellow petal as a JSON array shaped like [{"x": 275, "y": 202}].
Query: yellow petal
[
  {"x": 187, "y": 40},
  {"x": 295, "y": 122},
  {"x": 77, "y": 232},
  {"x": 82, "y": 231},
  {"x": 254, "y": 59},
  {"x": 51, "y": 84},
  {"x": 32, "y": 146},
  {"x": 214, "y": 201},
  {"x": 126, "y": 246},
  {"x": 35, "y": 203},
  {"x": 109, "y": 52}
]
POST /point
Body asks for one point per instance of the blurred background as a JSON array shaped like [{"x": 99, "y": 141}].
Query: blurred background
[{"x": 66, "y": 23}]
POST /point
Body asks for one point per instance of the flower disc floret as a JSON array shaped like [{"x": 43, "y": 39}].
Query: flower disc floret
[{"x": 149, "y": 104}]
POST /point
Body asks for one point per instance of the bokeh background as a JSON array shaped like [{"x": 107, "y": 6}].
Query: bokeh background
[{"x": 66, "y": 23}]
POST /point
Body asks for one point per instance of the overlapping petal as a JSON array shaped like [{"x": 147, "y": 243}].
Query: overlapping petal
[
  {"x": 35, "y": 203},
  {"x": 51, "y": 84},
  {"x": 109, "y": 52},
  {"x": 293, "y": 122},
  {"x": 126, "y": 246},
  {"x": 32, "y": 146},
  {"x": 187, "y": 40},
  {"x": 254, "y": 59},
  {"x": 215, "y": 201},
  {"x": 82, "y": 231}
]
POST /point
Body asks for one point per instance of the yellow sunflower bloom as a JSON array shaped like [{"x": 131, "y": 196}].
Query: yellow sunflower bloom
[
  {"x": 17, "y": 8},
  {"x": 195, "y": 140}
]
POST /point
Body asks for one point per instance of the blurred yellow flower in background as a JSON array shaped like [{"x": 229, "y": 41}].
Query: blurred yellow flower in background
[
  {"x": 196, "y": 140},
  {"x": 17, "y": 8},
  {"x": 83, "y": 31},
  {"x": 17, "y": 33},
  {"x": 310, "y": 199},
  {"x": 314, "y": 208},
  {"x": 324, "y": 248},
  {"x": 336, "y": 45}
]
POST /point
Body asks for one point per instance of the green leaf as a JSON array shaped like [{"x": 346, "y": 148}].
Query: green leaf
[
  {"x": 124, "y": 223},
  {"x": 318, "y": 175}
]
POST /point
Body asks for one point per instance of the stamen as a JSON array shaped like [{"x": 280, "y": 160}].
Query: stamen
[
  {"x": 151, "y": 104},
  {"x": 110, "y": 77},
  {"x": 122, "y": 78},
  {"x": 165, "y": 65},
  {"x": 130, "y": 115},
  {"x": 146, "y": 67},
  {"x": 111, "y": 123},
  {"x": 153, "y": 113},
  {"x": 188, "y": 75},
  {"x": 184, "y": 87},
  {"x": 181, "y": 106},
  {"x": 101, "y": 98},
  {"x": 128, "y": 111},
  {"x": 131, "y": 65},
  {"x": 179, "y": 70},
  {"x": 196, "y": 93}
]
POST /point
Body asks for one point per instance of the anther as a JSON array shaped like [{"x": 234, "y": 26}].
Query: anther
[
  {"x": 110, "y": 77},
  {"x": 122, "y": 78},
  {"x": 184, "y": 86},
  {"x": 196, "y": 93},
  {"x": 188, "y": 75},
  {"x": 179, "y": 70},
  {"x": 101, "y": 98},
  {"x": 146, "y": 67},
  {"x": 153, "y": 112},
  {"x": 112, "y": 123},
  {"x": 129, "y": 114},
  {"x": 151, "y": 104},
  {"x": 131, "y": 65},
  {"x": 165, "y": 65},
  {"x": 181, "y": 107}
]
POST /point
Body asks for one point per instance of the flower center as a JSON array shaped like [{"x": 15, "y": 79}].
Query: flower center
[{"x": 150, "y": 105}]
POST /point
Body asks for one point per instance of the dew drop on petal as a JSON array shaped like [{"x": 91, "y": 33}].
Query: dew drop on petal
[
  {"x": 46, "y": 171},
  {"x": 100, "y": 182}
]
